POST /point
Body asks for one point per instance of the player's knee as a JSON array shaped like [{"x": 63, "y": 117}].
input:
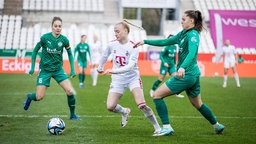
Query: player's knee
[
  {"x": 39, "y": 97},
  {"x": 145, "y": 109},
  {"x": 69, "y": 92},
  {"x": 111, "y": 108}
]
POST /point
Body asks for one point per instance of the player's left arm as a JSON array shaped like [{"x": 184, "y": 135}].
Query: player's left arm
[
  {"x": 71, "y": 59},
  {"x": 132, "y": 62},
  {"x": 193, "y": 42}
]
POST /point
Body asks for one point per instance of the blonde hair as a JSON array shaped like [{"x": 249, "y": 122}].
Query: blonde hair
[{"x": 125, "y": 25}]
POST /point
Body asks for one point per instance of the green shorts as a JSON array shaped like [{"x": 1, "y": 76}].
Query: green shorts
[
  {"x": 164, "y": 70},
  {"x": 82, "y": 64},
  {"x": 191, "y": 84},
  {"x": 44, "y": 77}
]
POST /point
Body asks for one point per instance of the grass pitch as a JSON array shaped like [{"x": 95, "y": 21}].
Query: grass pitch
[{"x": 233, "y": 107}]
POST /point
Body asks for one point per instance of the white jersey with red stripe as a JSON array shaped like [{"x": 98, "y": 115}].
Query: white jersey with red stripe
[{"x": 125, "y": 59}]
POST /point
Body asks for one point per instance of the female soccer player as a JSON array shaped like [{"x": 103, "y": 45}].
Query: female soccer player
[
  {"x": 230, "y": 61},
  {"x": 188, "y": 75},
  {"x": 82, "y": 49},
  {"x": 125, "y": 74},
  {"x": 52, "y": 45},
  {"x": 168, "y": 65},
  {"x": 96, "y": 51}
]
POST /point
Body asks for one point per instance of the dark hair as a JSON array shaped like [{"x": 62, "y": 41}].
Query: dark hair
[
  {"x": 170, "y": 35},
  {"x": 125, "y": 25},
  {"x": 198, "y": 20},
  {"x": 55, "y": 19},
  {"x": 83, "y": 36}
]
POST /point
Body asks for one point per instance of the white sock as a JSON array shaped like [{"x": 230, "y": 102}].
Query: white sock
[
  {"x": 166, "y": 126},
  {"x": 215, "y": 125},
  {"x": 149, "y": 114},
  {"x": 120, "y": 109},
  {"x": 225, "y": 78},
  {"x": 95, "y": 73},
  {"x": 237, "y": 78}
]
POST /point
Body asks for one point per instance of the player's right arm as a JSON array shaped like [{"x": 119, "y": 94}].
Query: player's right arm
[
  {"x": 33, "y": 57},
  {"x": 104, "y": 59}
]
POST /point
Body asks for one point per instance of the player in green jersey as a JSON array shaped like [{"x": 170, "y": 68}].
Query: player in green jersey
[
  {"x": 168, "y": 65},
  {"x": 188, "y": 75},
  {"x": 82, "y": 49},
  {"x": 52, "y": 45}
]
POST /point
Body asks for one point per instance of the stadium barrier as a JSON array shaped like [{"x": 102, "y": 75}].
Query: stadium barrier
[{"x": 146, "y": 67}]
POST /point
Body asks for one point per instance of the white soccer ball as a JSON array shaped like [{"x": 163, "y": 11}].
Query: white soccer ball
[{"x": 56, "y": 126}]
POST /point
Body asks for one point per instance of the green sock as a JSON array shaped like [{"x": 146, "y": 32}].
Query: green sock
[
  {"x": 207, "y": 113},
  {"x": 80, "y": 76},
  {"x": 72, "y": 104},
  {"x": 83, "y": 77},
  {"x": 162, "y": 111},
  {"x": 32, "y": 96},
  {"x": 156, "y": 84}
]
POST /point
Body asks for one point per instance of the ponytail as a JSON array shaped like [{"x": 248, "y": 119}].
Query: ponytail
[{"x": 198, "y": 20}]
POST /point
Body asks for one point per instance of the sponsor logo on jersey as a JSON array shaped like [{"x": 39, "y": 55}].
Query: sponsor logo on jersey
[{"x": 53, "y": 51}]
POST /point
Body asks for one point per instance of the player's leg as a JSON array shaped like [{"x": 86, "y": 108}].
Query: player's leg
[
  {"x": 94, "y": 74},
  {"x": 137, "y": 91},
  {"x": 156, "y": 84},
  {"x": 43, "y": 81},
  {"x": 173, "y": 73},
  {"x": 63, "y": 81},
  {"x": 225, "y": 76},
  {"x": 236, "y": 76},
  {"x": 115, "y": 93},
  {"x": 195, "y": 99}
]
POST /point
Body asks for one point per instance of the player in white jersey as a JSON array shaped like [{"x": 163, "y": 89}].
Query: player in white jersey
[
  {"x": 96, "y": 51},
  {"x": 230, "y": 61},
  {"x": 125, "y": 74}
]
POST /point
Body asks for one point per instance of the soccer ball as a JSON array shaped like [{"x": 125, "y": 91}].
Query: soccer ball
[{"x": 56, "y": 126}]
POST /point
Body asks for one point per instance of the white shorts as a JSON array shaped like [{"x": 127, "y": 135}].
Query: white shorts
[
  {"x": 229, "y": 64},
  {"x": 120, "y": 88},
  {"x": 95, "y": 60}
]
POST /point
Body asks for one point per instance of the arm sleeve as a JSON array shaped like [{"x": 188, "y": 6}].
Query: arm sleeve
[
  {"x": 164, "y": 42},
  {"x": 71, "y": 61},
  {"x": 132, "y": 62},
  {"x": 162, "y": 54},
  {"x": 193, "y": 42},
  {"x": 104, "y": 59},
  {"x": 34, "y": 53}
]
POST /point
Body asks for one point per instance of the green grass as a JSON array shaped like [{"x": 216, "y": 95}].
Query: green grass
[{"x": 233, "y": 107}]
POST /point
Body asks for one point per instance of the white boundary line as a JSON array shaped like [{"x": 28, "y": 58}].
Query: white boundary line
[{"x": 114, "y": 116}]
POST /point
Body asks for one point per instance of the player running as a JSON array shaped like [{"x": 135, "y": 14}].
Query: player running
[
  {"x": 96, "y": 51},
  {"x": 188, "y": 75},
  {"x": 82, "y": 49},
  {"x": 51, "y": 62},
  {"x": 168, "y": 65},
  {"x": 125, "y": 74},
  {"x": 230, "y": 61}
]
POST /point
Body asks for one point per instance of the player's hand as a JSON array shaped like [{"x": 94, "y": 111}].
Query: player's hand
[
  {"x": 181, "y": 73},
  {"x": 72, "y": 74},
  {"x": 166, "y": 65},
  {"x": 107, "y": 71},
  {"x": 31, "y": 72},
  {"x": 138, "y": 44}
]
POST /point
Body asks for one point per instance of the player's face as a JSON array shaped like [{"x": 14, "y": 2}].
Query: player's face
[
  {"x": 57, "y": 27},
  {"x": 120, "y": 32},
  {"x": 83, "y": 39},
  {"x": 187, "y": 22}
]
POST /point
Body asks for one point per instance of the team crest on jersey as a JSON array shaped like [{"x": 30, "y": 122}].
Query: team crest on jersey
[
  {"x": 193, "y": 39},
  {"x": 127, "y": 53},
  {"x": 60, "y": 44}
]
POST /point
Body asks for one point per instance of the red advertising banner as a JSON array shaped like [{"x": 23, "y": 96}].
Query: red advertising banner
[
  {"x": 236, "y": 25},
  {"x": 146, "y": 68}
]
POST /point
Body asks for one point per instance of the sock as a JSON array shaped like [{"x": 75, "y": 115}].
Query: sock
[
  {"x": 80, "y": 76},
  {"x": 207, "y": 113},
  {"x": 156, "y": 84},
  {"x": 167, "y": 126},
  {"x": 72, "y": 104},
  {"x": 32, "y": 96},
  {"x": 120, "y": 109},
  {"x": 225, "y": 78},
  {"x": 95, "y": 74},
  {"x": 215, "y": 125},
  {"x": 83, "y": 78},
  {"x": 162, "y": 111},
  {"x": 237, "y": 78},
  {"x": 149, "y": 114}
]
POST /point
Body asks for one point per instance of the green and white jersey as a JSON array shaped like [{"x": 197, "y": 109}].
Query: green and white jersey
[
  {"x": 168, "y": 55},
  {"x": 52, "y": 50},
  {"x": 82, "y": 49},
  {"x": 188, "y": 41}
]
